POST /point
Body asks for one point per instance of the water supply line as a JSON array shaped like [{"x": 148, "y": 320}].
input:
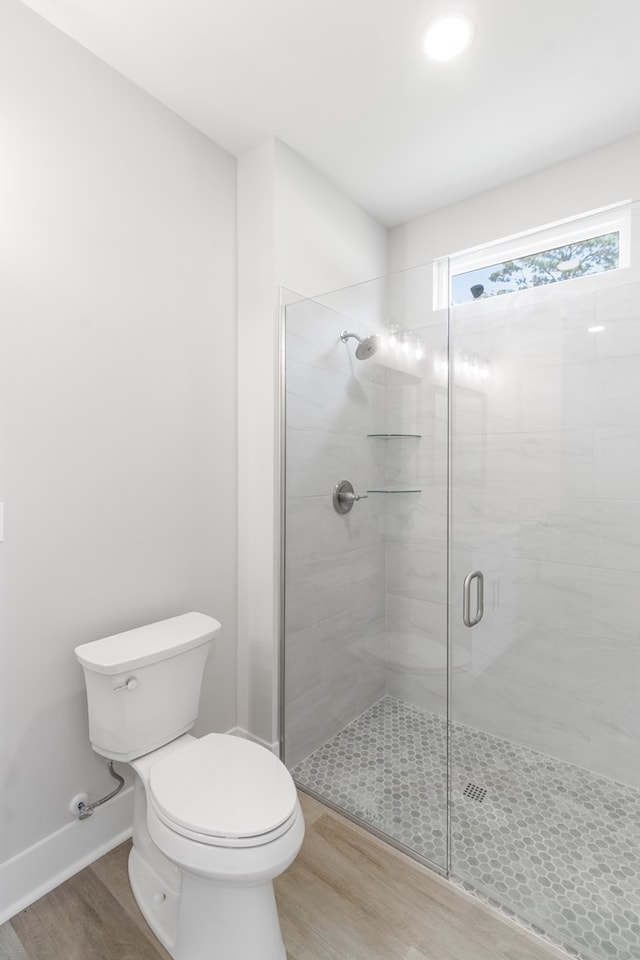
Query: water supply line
[{"x": 85, "y": 810}]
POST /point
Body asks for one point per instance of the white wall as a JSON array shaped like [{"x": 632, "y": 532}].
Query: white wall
[
  {"x": 323, "y": 240},
  {"x": 258, "y": 573},
  {"x": 569, "y": 189},
  {"x": 310, "y": 238},
  {"x": 117, "y": 256}
]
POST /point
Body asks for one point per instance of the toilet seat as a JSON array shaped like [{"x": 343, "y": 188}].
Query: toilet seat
[{"x": 223, "y": 791}]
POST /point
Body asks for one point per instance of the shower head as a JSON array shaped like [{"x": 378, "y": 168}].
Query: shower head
[{"x": 367, "y": 346}]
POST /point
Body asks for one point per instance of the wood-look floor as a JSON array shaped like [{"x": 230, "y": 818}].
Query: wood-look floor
[{"x": 348, "y": 896}]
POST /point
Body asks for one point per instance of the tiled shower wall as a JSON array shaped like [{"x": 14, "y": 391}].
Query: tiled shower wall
[
  {"x": 416, "y": 527},
  {"x": 334, "y": 610},
  {"x": 546, "y": 474},
  {"x": 546, "y": 501},
  {"x": 416, "y": 523},
  {"x": 365, "y": 606}
]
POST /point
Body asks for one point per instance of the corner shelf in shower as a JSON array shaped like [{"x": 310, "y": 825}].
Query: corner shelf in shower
[
  {"x": 394, "y": 436},
  {"x": 394, "y": 491}
]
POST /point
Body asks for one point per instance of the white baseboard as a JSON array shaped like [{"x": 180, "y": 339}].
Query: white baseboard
[
  {"x": 239, "y": 732},
  {"x": 38, "y": 869}
]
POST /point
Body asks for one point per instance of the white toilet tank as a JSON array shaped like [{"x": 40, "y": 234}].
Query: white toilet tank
[{"x": 143, "y": 685}]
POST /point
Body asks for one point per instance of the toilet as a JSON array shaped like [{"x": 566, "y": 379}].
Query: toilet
[{"x": 216, "y": 818}]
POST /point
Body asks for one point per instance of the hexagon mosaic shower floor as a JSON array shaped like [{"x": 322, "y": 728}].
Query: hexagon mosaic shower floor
[{"x": 556, "y": 844}]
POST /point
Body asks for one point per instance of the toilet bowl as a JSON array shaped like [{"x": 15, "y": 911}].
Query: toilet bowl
[{"x": 216, "y": 818}]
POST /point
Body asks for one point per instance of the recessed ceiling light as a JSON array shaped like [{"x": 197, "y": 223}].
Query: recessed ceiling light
[{"x": 448, "y": 36}]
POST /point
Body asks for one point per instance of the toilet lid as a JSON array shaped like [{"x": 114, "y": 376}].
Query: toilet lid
[{"x": 223, "y": 786}]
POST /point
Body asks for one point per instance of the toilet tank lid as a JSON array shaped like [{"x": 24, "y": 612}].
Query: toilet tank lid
[{"x": 153, "y": 642}]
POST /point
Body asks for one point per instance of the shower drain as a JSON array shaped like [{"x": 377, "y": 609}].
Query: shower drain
[{"x": 474, "y": 792}]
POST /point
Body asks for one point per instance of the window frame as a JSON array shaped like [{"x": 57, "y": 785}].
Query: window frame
[{"x": 612, "y": 219}]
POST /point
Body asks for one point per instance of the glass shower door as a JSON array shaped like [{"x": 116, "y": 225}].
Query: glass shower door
[
  {"x": 365, "y": 653},
  {"x": 545, "y": 653}
]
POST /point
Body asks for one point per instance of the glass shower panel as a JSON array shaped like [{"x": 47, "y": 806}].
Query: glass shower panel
[
  {"x": 365, "y": 605},
  {"x": 545, "y": 732}
]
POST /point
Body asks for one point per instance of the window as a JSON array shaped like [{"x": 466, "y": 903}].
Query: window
[
  {"x": 548, "y": 266},
  {"x": 593, "y": 244}
]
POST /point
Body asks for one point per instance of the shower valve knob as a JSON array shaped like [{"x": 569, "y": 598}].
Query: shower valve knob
[{"x": 344, "y": 496}]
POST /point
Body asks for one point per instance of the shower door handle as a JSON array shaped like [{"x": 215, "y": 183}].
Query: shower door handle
[{"x": 470, "y": 621}]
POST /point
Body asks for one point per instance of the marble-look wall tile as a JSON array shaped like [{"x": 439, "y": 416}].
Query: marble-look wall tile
[
  {"x": 417, "y": 571},
  {"x": 578, "y": 665},
  {"x": 491, "y": 407},
  {"x": 316, "y": 531},
  {"x": 548, "y": 463},
  {"x": 616, "y": 462},
  {"x": 402, "y": 403},
  {"x": 367, "y": 652},
  {"x": 417, "y": 463},
  {"x": 485, "y": 646},
  {"x": 433, "y": 464},
  {"x": 615, "y": 744},
  {"x": 533, "y": 331},
  {"x": 619, "y": 534},
  {"x": 557, "y": 397},
  {"x": 331, "y": 585},
  {"x": 490, "y": 522},
  {"x": 333, "y": 671},
  {"x": 416, "y": 651},
  {"x": 427, "y": 692},
  {"x": 616, "y": 392},
  {"x": 554, "y": 505},
  {"x": 314, "y": 717},
  {"x": 539, "y": 717},
  {"x": 327, "y": 401},
  {"x": 614, "y": 605},
  {"x": 618, "y": 310},
  {"x": 546, "y": 473},
  {"x": 416, "y": 535},
  {"x": 416, "y": 632},
  {"x": 416, "y": 517},
  {"x": 312, "y": 337},
  {"x": 616, "y": 692},
  {"x": 552, "y": 594},
  {"x": 316, "y": 461},
  {"x": 559, "y": 529},
  {"x": 402, "y": 460},
  {"x": 335, "y": 581}
]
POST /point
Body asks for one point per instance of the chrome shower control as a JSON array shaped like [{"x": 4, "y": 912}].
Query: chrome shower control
[{"x": 344, "y": 496}]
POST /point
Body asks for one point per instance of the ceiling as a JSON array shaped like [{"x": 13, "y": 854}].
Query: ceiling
[{"x": 346, "y": 85}]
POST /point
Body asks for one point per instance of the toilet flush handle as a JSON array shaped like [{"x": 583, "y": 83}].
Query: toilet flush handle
[{"x": 130, "y": 684}]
